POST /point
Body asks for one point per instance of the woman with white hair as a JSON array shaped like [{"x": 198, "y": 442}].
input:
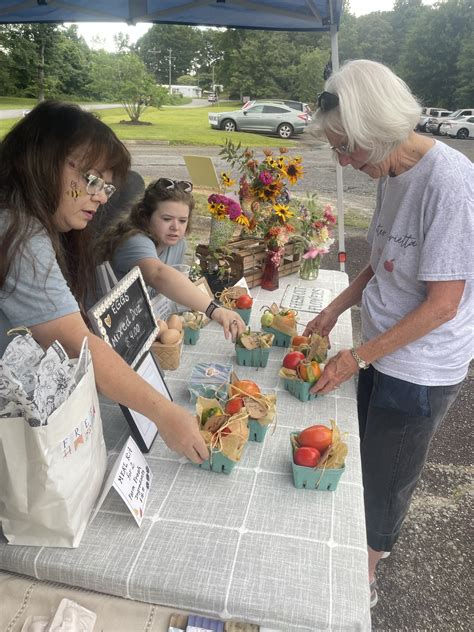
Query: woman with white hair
[{"x": 416, "y": 290}]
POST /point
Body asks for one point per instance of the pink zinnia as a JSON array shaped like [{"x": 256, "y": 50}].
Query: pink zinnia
[{"x": 265, "y": 177}]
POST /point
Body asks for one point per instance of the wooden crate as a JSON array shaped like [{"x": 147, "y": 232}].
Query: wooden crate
[{"x": 246, "y": 258}]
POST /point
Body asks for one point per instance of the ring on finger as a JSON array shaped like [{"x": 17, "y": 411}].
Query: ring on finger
[{"x": 235, "y": 322}]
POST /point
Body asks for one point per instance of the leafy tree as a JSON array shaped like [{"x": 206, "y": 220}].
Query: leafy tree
[
  {"x": 310, "y": 74},
  {"x": 168, "y": 45},
  {"x": 123, "y": 77},
  {"x": 464, "y": 91},
  {"x": 186, "y": 80}
]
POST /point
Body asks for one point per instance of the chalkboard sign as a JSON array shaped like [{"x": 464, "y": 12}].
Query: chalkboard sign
[{"x": 124, "y": 318}]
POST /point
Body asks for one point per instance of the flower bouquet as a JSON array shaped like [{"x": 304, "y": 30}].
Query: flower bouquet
[
  {"x": 313, "y": 236},
  {"x": 265, "y": 199},
  {"x": 226, "y": 213}
]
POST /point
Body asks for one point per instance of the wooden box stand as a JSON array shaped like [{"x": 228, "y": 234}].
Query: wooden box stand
[{"x": 246, "y": 258}]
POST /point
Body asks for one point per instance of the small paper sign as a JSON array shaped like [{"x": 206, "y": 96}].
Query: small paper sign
[
  {"x": 131, "y": 478},
  {"x": 306, "y": 299}
]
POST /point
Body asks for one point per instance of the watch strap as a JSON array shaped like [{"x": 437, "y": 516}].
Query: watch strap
[
  {"x": 362, "y": 364},
  {"x": 211, "y": 308}
]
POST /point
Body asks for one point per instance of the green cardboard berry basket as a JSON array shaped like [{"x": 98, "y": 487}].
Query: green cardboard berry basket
[
  {"x": 219, "y": 463},
  {"x": 318, "y": 478},
  {"x": 190, "y": 335},
  {"x": 244, "y": 314},
  {"x": 280, "y": 339},
  {"x": 299, "y": 389},
  {"x": 257, "y": 431},
  {"x": 252, "y": 357}
]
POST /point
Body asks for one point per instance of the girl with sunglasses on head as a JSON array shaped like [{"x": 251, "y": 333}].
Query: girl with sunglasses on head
[
  {"x": 57, "y": 166},
  {"x": 151, "y": 237}
]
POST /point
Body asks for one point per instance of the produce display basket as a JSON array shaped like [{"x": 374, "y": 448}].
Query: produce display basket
[
  {"x": 321, "y": 479},
  {"x": 218, "y": 463},
  {"x": 190, "y": 335},
  {"x": 244, "y": 314},
  {"x": 299, "y": 389},
  {"x": 252, "y": 357},
  {"x": 280, "y": 339},
  {"x": 257, "y": 431},
  {"x": 168, "y": 356}
]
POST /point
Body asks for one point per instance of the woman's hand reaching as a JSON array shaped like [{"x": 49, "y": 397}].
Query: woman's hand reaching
[{"x": 230, "y": 321}]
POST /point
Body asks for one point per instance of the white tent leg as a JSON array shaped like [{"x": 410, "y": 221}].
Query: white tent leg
[{"x": 339, "y": 183}]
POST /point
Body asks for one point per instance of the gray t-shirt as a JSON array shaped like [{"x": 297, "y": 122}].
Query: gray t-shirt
[
  {"x": 140, "y": 246},
  {"x": 422, "y": 230},
  {"x": 35, "y": 290}
]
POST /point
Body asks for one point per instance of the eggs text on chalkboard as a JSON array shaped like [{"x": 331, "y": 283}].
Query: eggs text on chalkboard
[
  {"x": 175, "y": 322},
  {"x": 162, "y": 326},
  {"x": 170, "y": 336}
]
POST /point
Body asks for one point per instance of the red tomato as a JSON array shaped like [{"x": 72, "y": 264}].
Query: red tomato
[
  {"x": 292, "y": 359},
  {"x": 319, "y": 437},
  {"x": 308, "y": 457},
  {"x": 245, "y": 387},
  {"x": 244, "y": 302},
  {"x": 296, "y": 341},
  {"x": 233, "y": 406}
]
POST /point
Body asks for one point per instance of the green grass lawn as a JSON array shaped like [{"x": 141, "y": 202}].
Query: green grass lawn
[
  {"x": 15, "y": 103},
  {"x": 177, "y": 126}
]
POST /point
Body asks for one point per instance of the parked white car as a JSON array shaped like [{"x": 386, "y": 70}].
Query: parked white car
[
  {"x": 459, "y": 128},
  {"x": 434, "y": 122},
  {"x": 458, "y": 114}
]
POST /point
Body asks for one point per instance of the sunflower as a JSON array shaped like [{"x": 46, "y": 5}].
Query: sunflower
[
  {"x": 293, "y": 170},
  {"x": 242, "y": 220},
  {"x": 227, "y": 180},
  {"x": 283, "y": 212}
]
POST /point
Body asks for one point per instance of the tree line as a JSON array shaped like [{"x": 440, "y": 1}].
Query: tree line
[{"x": 430, "y": 47}]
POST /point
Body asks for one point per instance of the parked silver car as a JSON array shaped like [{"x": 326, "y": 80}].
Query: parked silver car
[
  {"x": 434, "y": 122},
  {"x": 269, "y": 118}
]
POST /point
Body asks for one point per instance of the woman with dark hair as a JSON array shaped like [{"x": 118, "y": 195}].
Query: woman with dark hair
[
  {"x": 416, "y": 290},
  {"x": 56, "y": 168},
  {"x": 151, "y": 237}
]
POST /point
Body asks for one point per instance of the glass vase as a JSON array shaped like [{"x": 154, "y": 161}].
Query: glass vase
[
  {"x": 270, "y": 276},
  {"x": 221, "y": 232},
  {"x": 309, "y": 268}
]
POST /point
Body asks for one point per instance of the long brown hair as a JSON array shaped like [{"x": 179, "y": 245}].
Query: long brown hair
[
  {"x": 32, "y": 158},
  {"x": 138, "y": 219}
]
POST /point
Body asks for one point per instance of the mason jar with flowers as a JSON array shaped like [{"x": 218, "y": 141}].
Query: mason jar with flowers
[{"x": 313, "y": 235}]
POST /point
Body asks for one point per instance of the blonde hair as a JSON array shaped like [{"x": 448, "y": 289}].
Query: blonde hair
[{"x": 376, "y": 110}]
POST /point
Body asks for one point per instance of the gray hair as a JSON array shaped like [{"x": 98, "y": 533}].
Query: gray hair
[{"x": 376, "y": 110}]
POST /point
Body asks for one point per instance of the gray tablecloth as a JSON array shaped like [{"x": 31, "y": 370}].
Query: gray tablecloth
[{"x": 248, "y": 546}]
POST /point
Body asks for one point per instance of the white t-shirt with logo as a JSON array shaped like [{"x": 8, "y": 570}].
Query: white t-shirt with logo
[{"x": 422, "y": 230}]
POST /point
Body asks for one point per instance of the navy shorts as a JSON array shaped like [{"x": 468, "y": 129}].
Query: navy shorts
[{"x": 397, "y": 421}]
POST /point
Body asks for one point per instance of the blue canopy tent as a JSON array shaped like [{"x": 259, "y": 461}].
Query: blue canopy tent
[{"x": 283, "y": 15}]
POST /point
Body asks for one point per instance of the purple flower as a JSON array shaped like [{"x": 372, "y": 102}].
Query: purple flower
[{"x": 265, "y": 177}]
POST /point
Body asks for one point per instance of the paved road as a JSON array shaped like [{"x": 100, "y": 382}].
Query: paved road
[{"x": 6, "y": 114}]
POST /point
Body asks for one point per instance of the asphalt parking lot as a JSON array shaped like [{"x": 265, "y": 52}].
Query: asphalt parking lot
[{"x": 426, "y": 583}]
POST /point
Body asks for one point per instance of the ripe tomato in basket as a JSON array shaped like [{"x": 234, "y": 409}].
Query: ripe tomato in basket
[
  {"x": 292, "y": 359},
  {"x": 245, "y": 387},
  {"x": 233, "y": 406},
  {"x": 318, "y": 436},
  {"x": 307, "y": 457},
  {"x": 244, "y": 302}
]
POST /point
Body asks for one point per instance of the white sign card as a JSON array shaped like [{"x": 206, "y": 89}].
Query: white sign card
[
  {"x": 242, "y": 283},
  {"x": 306, "y": 299},
  {"x": 131, "y": 478},
  {"x": 143, "y": 429}
]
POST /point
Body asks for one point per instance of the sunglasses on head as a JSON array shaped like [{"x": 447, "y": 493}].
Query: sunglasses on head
[
  {"x": 168, "y": 183},
  {"x": 327, "y": 101}
]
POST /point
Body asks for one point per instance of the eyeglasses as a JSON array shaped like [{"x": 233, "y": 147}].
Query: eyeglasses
[
  {"x": 96, "y": 185},
  {"x": 342, "y": 150},
  {"x": 168, "y": 183},
  {"x": 327, "y": 101}
]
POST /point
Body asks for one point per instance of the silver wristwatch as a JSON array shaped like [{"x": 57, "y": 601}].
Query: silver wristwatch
[{"x": 362, "y": 364}]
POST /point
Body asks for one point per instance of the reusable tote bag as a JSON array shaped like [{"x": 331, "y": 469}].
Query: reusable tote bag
[{"x": 51, "y": 475}]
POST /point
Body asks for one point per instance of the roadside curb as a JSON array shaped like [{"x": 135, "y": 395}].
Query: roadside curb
[{"x": 146, "y": 142}]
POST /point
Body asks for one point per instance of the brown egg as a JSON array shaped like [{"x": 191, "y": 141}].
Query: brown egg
[
  {"x": 170, "y": 336},
  {"x": 175, "y": 322},
  {"x": 161, "y": 326}
]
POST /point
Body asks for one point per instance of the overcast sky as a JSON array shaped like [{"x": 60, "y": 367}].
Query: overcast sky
[{"x": 100, "y": 35}]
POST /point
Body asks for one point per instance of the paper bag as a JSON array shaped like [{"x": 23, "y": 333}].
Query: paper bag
[{"x": 51, "y": 475}]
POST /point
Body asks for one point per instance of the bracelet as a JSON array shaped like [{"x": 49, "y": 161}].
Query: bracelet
[
  {"x": 211, "y": 308},
  {"x": 362, "y": 364}
]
